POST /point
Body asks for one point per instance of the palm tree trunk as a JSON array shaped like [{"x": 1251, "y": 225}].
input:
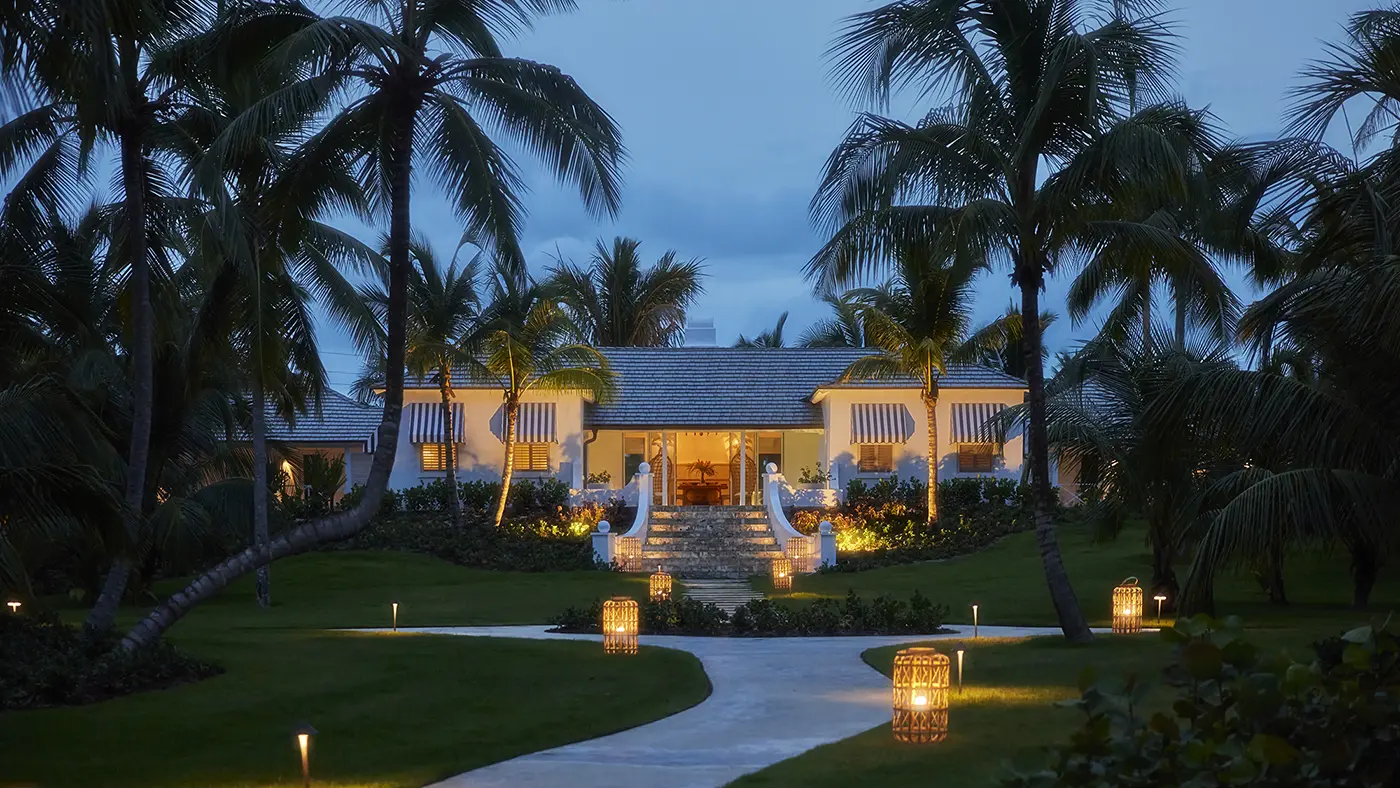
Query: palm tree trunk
[
  {"x": 512, "y": 413},
  {"x": 339, "y": 525},
  {"x": 1364, "y": 569},
  {"x": 1278, "y": 593},
  {"x": 260, "y": 531},
  {"x": 931, "y": 408},
  {"x": 1163, "y": 556},
  {"x": 103, "y": 615},
  {"x": 449, "y": 447},
  {"x": 1071, "y": 617}
]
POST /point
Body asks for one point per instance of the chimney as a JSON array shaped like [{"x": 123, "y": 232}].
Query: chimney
[{"x": 700, "y": 332}]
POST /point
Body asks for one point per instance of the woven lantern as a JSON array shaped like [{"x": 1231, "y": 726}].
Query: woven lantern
[
  {"x": 629, "y": 554},
  {"x": 1127, "y": 608},
  {"x": 660, "y": 586},
  {"x": 920, "y": 695},
  {"x": 782, "y": 574},
  {"x": 620, "y": 625},
  {"x": 800, "y": 551}
]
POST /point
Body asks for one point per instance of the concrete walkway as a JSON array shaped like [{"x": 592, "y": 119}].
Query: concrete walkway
[{"x": 773, "y": 698}]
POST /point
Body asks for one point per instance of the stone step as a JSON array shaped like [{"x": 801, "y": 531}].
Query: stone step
[
  {"x": 759, "y": 509},
  {"x": 726, "y": 594},
  {"x": 744, "y": 538},
  {"x": 674, "y": 526}
]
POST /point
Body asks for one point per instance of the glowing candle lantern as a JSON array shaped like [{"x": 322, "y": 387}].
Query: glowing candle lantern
[
  {"x": 920, "y": 696},
  {"x": 1160, "y": 599},
  {"x": 620, "y": 625},
  {"x": 304, "y": 732},
  {"x": 660, "y": 586},
  {"x": 1127, "y": 608},
  {"x": 782, "y": 574},
  {"x": 14, "y": 606},
  {"x": 799, "y": 551},
  {"x": 629, "y": 554}
]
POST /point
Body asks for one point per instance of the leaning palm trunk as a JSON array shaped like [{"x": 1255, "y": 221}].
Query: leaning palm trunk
[
  {"x": 340, "y": 525},
  {"x": 449, "y": 447},
  {"x": 104, "y": 612},
  {"x": 260, "y": 530},
  {"x": 931, "y": 406},
  {"x": 1071, "y": 618},
  {"x": 512, "y": 413}
]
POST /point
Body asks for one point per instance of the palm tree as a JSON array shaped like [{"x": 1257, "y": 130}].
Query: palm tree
[
  {"x": 1029, "y": 84},
  {"x": 421, "y": 81},
  {"x": 101, "y": 71},
  {"x": 920, "y": 322},
  {"x": 444, "y": 313},
  {"x": 772, "y": 338},
  {"x": 843, "y": 329},
  {"x": 615, "y": 303},
  {"x": 1005, "y": 351},
  {"x": 525, "y": 345}
]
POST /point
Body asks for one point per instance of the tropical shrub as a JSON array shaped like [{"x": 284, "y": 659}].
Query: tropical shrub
[
  {"x": 1242, "y": 717},
  {"x": 44, "y": 662}
]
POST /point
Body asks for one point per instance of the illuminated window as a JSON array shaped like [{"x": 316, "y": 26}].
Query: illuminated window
[
  {"x": 531, "y": 457},
  {"x": 976, "y": 457},
  {"x": 770, "y": 450},
  {"x": 432, "y": 457},
  {"x": 876, "y": 458}
]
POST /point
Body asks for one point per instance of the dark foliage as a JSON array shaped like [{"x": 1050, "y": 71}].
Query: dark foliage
[
  {"x": 44, "y": 662},
  {"x": 522, "y": 546},
  {"x": 527, "y": 498},
  {"x": 1243, "y": 717}
]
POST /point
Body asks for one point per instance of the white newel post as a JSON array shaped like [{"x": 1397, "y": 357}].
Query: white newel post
[
  {"x": 827, "y": 552},
  {"x": 604, "y": 543},
  {"x": 643, "y": 482}
]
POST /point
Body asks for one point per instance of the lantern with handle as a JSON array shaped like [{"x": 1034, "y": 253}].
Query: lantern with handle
[
  {"x": 1127, "y": 607},
  {"x": 660, "y": 586},
  {"x": 782, "y": 574},
  {"x": 620, "y": 625}
]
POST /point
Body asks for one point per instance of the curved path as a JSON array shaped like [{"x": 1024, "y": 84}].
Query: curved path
[{"x": 773, "y": 698}]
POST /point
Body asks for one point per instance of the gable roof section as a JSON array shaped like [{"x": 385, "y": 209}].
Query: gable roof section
[{"x": 341, "y": 420}]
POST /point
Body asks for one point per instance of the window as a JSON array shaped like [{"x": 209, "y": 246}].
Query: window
[
  {"x": 531, "y": 457},
  {"x": 976, "y": 457},
  {"x": 876, "y": 458},
  {"x": 770, "y": 449},
  {"x": 634, "y": 453},
  {"x": 432, "y": 457}
]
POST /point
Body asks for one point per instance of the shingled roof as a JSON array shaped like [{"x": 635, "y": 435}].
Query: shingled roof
[
  {"x": 740, "y": 387},
  {"x": 341, "y": 420}
]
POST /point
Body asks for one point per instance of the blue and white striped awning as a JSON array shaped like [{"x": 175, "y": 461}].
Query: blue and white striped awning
[
  {"x": 534, "y": 424},
  {"x": 976, "y": 422},
  {"x": 424, "y": 420},
  {"x": 880, "y": 422}
]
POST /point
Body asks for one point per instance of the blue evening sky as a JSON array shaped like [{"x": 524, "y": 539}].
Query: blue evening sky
[{"x": 728, "y": 114}]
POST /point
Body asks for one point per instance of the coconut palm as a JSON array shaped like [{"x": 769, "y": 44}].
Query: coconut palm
[
  {"x": 920, "y": 322},
  {"x": 616, "y": 303},
  {"x": 424, "y": 83},
  {"x": 843, "y": 329},
  {"x": 1017, "y": 166},
  {"x": 771, "y": 338},
  {"x": 526, "y": 344},
  {"x": 91, "y": 72},
  {"x": 1004, "y": 350}
]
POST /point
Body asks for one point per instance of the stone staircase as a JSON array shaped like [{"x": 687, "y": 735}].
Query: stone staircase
[
  {"x": 714, "y": 542},
  {"x": 725, "y": 594}
]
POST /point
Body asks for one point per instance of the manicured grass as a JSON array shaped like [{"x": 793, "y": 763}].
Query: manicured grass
[
  {"x": 392, "y": 710},
  {"x": 1006, "y": 713}
]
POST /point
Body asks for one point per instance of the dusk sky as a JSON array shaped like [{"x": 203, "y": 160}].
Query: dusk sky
[{"x": 728, "y": 113}]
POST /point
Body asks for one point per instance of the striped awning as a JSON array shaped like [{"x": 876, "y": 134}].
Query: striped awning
[
  {"x": 975, "y": 422},
  {"x": 424, "y": 420},
  {"x": 880, "y": 422},
  {"x": 535, "y": 424}
]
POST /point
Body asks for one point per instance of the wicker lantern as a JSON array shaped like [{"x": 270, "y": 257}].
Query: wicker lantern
[
  {"x": 629, "y": 554},
  {"x": 620, "y": 625},
  {"x": 1127, "y": 608},
  {"x": 660, "y": 586},
  {"x": 782, "y": 574},
  {"x": 799, "y": 550},
  {"x": 920, "y": 695}
]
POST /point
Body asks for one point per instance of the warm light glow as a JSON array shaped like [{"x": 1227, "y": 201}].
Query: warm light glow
[
  {"x": 920, "y": 695},
  {"x": 304, "y": 741},
  {"x": 1160, "y": 597},
  {"x": 14, "y": 606},
  {"x": 974, "y": 621},
  {"x": 960, "y": 664},
  {"x": 620, "y": 615},
  {"x": 629, "y": 554},
  {"x": 396, "y": 615},
  {"x": 303, "y": 734},
  {"x": 782, "y": 574},
  {"x": 1127, "y": 607},
  {"x": 660, "y": 586}
]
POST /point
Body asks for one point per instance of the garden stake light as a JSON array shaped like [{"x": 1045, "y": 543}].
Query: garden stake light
[
  {"x": 396, "y": 615},
  {"x": 1160, "y": 599},
  {"x": 14, "y": 606},
  {"x": 960, "y": 663},
  {"x": 304, "y": 732},
  {"x": 920, "y": 713},
  {"x": 974, "y": 622}
]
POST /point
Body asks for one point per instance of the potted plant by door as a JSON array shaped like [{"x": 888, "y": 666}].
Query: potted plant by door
[
  {"x": 599, "y": 481},
  {"x": 813, "y": 478}
]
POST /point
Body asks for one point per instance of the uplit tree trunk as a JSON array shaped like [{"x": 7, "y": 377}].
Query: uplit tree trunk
[
  {"x": 103, "y": 615},
  {"x": 260, "y": 529},
  {"x": 449, "y": 445},
  {"x": 1029, "y": 277},
  {"x": 512, "y": 413},
  {"x": 931, "y": 408}
]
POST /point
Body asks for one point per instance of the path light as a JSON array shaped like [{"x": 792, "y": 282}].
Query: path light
[
  {"x": 660, "y": 586},
  {"x": 960, "y": 660},
  {"x": 304, "y": 732},
  {"x": 620, "y": 625},
  {"x": 920, "y": 696},
  {"x": 396, "y": 615},
  {"x": 782, "y": 574},
  {"x": 974, "y": 622},
  {"x": 14, "y": 606},
  {"x": 1160, "y": 599},
  {"x": 1127, "y": 608}
]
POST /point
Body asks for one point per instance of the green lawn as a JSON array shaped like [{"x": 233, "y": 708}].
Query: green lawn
[
  {"x": 392, "y": 710},
  {"x": 1005, "y": 714}
]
